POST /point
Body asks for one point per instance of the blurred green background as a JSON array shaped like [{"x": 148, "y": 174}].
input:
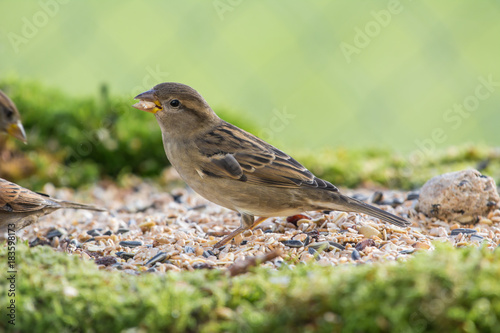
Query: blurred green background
[
  {"x": 391, "y": 88},
  {"x": 406, "y": 77}
]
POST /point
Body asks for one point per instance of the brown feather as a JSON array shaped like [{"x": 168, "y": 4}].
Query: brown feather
[
  {"x": 233, "y": 153},
  {"x": 17, "y": 199}
]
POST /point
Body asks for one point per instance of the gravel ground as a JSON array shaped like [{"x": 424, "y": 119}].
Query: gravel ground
[{"x": 155, "y": 230}]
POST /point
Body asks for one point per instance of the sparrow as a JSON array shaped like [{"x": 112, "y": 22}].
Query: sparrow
[
  {"x": 20, "y": 207},
  {"x": 10, "y": 121},
  {"x": 236, "y": 169}
]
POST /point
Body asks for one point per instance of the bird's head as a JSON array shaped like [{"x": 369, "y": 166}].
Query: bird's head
[
  {"x": 10, "y": 121},
  {"x": 177, "y": 107}
]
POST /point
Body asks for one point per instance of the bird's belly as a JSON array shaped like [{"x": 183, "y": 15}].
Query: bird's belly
[
  {"x": 250, "y": 199},
  {"x": 233, "y": 194}
]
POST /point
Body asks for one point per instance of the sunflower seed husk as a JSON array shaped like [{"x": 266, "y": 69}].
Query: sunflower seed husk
[
  {"x": 293, "y": 243},
  {"x": 131, "y": 243},
  {"x": 464, "y": 231},
  {"x": 160, "y": 257}
]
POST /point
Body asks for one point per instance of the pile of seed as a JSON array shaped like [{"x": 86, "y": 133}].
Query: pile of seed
[{"x": 153, "y": 230}]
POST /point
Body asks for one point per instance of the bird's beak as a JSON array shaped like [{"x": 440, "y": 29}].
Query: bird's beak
[
  {"x": 147, "y": 102},
  {"x": 17, "y": 131}
]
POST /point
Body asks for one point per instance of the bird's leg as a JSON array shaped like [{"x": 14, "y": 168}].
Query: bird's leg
[
  {"x": 257, "y": 222},
  {"x": 247, "y": 222}
]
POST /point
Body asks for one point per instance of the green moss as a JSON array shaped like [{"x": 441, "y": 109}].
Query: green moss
[
  {"x": 449, "y": 290},
  {"x": 366, "y": 167}
]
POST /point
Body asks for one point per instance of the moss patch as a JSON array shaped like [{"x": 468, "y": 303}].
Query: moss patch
[{"x": 448, "y": 290}]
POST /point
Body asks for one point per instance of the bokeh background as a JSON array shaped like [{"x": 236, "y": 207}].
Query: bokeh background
[{"x": 306, "y": 75}]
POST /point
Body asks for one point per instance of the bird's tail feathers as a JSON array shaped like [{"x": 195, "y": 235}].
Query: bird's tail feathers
[
  {"x": 75, "y": 205},
  {"x": 348, "y": 204}
]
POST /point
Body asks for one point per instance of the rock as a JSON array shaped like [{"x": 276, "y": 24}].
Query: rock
[{"x": 459, "y": 196}]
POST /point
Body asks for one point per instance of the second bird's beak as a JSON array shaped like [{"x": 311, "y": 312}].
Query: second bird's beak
[
  {"x": 147, "y": 102},
  {"x": 17, "y": 131}
]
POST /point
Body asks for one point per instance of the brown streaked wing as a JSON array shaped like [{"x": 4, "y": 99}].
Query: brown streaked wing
[
  {"x": 234, "y": 153},
  {"x": 15, "y": 198}
]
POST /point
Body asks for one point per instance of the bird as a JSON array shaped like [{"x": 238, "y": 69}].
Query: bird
[
  {"x": 20, "y": 207},
  {"x": 237, "y": 170},
  {"x": 10, "y": 120}
]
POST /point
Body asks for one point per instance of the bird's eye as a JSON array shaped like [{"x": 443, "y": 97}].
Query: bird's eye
[
  {"x": 175, "y": 103},
  {"x": 9, "y": 114}
]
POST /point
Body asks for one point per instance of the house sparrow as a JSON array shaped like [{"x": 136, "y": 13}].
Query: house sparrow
[
  {"x": 20, "y": 207},
  {"x": 10, "y": 121},
  {"x": 236, "y": 169}
]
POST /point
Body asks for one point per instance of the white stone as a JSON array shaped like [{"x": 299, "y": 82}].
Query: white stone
[{"x": 459, "y": 196}]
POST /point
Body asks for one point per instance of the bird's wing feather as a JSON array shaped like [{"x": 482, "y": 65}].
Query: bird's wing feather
[
  {"x": 14, "y": 198},
  {"x": 232, "y": 153}
]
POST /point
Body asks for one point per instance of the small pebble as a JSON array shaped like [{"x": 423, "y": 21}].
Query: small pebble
[{"x": 122, "y": 231}]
